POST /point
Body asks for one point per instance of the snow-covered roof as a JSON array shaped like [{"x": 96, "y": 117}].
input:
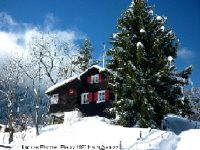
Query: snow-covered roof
[
  {"x": 56, "y": 86},
  {"x": 94, "y": 66}
]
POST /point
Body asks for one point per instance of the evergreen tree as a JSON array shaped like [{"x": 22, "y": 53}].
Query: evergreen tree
[
  {"x": 84, "y": 58},
  {"x": 194, "y": 98},
  {"x": 146, "y": 83}
]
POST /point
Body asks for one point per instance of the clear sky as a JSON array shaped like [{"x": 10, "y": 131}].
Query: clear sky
[{"x": 96, "y": 19}]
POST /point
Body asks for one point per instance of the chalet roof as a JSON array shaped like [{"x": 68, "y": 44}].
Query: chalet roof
[
  {"x": 94, "y": 66},
  {"x": 58, "y": 85}
]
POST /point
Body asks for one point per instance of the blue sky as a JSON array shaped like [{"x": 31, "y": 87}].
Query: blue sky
[{"x": 95, "y": 19}]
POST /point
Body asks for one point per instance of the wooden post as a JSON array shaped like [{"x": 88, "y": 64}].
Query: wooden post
[{"x": 120, "y": 145}]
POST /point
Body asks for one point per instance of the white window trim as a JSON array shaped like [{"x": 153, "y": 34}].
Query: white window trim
[
  {"x": 100, "y": 95},
  {"x": 84, "y": 98},
  {"x": 54, "y": 99},
  {"x": 95, "y": 78}
]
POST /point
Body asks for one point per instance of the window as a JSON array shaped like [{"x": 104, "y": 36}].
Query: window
[
  {"x": 54, "y": 99},
  {"x": 84, "y": 98},
  {"x": 101, "y": 96},
  {"x": 94, "y": 79},
  {"x": 71, "y": 91}
]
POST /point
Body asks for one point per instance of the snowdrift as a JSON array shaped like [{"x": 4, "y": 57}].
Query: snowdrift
[{"x": 98, "y": 133}]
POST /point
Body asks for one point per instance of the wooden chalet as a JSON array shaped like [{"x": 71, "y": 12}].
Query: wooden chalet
[{"x": 89, "y": 92}]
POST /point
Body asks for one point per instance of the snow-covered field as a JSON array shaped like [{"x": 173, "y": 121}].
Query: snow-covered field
[{"x": 97, "y": 132}]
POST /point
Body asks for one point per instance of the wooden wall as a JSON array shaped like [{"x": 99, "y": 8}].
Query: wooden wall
[{"x": 68, "y": 102}]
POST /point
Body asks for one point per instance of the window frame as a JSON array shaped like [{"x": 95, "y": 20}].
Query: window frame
[
  {"x": 95, "y": 78},
  {"x": 54, "y": 99},
  {"x": 101, "y": 96},
  {"x": 85, "y": 98}
]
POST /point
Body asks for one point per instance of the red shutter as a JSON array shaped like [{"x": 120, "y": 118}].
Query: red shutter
[
  {"x": 90, "y": 97},
  {"x": 95, "y": 96},
  {"x": 107, "y": 95},
  {"x": 100, "y": 77},
  {"x": 89, "y": 80}
]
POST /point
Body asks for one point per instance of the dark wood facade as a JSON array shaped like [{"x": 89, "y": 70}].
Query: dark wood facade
[
  {"x": 66, "y": 101},
  {"x": 89, "y": 92}
]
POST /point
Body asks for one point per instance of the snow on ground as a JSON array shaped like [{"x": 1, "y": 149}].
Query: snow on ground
[
  {"x": 189, "y": 140},
  {"x": 97, "y": 132}
]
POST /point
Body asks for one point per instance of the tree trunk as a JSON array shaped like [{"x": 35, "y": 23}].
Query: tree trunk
[
  {"x": 36, "y": 120},
  {"x": 10, "y": 119}
]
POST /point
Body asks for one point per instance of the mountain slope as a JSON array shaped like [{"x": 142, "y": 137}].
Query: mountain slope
[{"x": 97, "y": 132}]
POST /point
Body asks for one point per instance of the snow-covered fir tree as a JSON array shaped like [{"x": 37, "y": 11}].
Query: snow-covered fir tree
[
  {"x": 146, "y": 83},
  {"x": 85, "y": 56},
  {"x": 194, "y": 97}
]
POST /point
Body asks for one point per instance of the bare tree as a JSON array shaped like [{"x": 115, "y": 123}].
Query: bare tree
[
  {"x": 55, "y": 56},
  {"x": 33, "y": 75},
  {"x": 9, "y": 82},
  {"x": 48, "y": 59}
]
